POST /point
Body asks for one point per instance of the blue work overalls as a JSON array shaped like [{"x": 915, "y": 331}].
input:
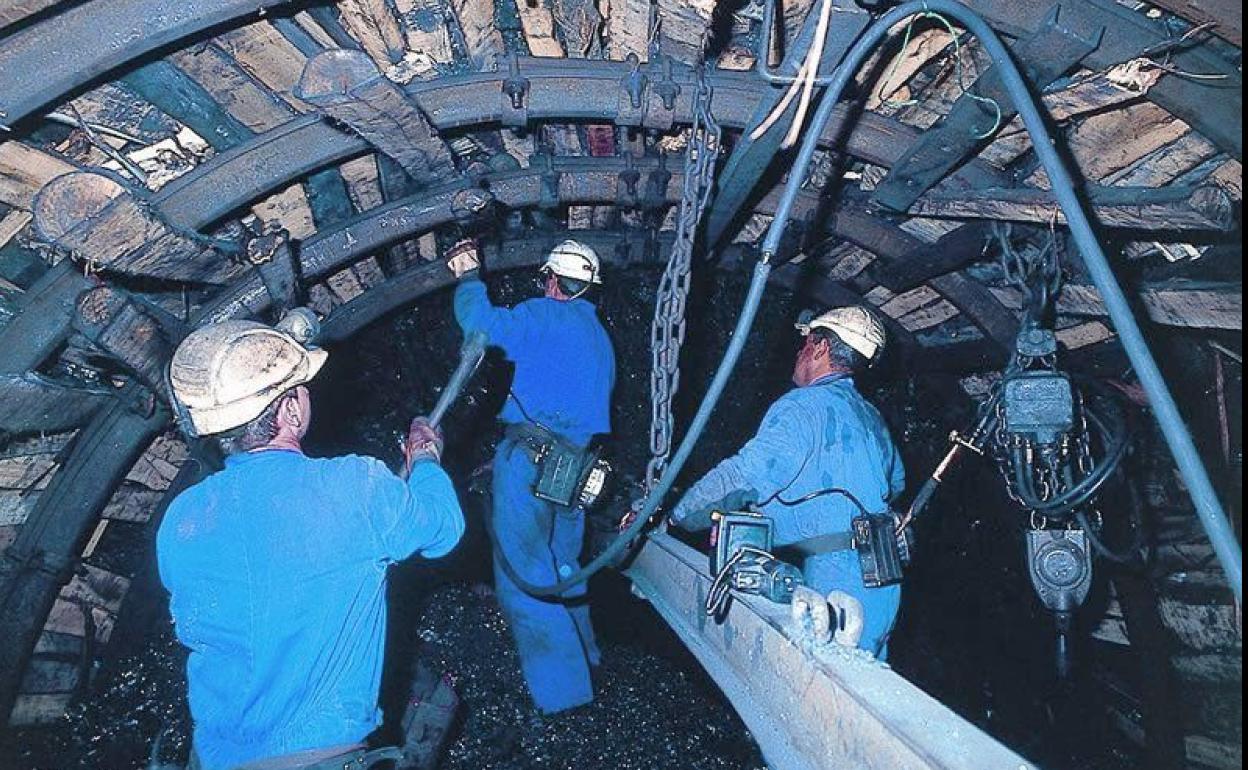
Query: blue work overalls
[
  {"x": 564, "y": 372},
  {"x": 813, "y": 438},
  {"x": 276, "y": 569}
]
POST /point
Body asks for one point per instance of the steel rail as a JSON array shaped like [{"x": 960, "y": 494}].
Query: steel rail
[
  {"x": 559, "y": 91},
  {"x": 1211, "y": 106},
  {"x": 51, "y": 58},
  {"x": 46, "y": 61},
  {"x": 810, "y": 705}
]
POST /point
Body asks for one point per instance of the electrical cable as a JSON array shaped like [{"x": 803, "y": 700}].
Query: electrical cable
[
  {"x": 1212, "y": 516},
  {"x": 820, "y": 493}
]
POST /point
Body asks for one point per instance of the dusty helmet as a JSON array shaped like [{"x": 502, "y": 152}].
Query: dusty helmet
[
  {"x": 573, "y": 259},
  {"x": 226, "y": 374},
  {"x": 856, "y": 326}
]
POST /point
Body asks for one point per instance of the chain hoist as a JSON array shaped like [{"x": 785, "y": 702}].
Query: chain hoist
[
  {"x": 1055, "y": 444},
  {"x": 667, "y": 332}
]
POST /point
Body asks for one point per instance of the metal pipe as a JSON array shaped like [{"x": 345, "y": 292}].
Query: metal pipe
[
  {"x": 1208, "y": 507},
  {"x": 470, "y": 356}
]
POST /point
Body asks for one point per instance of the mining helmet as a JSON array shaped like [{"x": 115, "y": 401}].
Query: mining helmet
[
  {"x": 225, "y": 375},
  {"x": 854, "y": 325},
  {"x": 573, "y": 259}
]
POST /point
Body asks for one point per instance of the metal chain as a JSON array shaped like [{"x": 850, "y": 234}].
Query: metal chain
[{"x": 667, "y": 333}]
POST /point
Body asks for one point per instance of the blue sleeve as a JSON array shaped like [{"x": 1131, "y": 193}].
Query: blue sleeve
[
  {"x": 506, "y": 328},
  {"x": 419, "y": 516},
  {"x": 897, "y": 473},
  {"x": 766, "y": 465}
]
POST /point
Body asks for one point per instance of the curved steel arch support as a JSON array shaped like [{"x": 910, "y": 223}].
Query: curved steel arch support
[{"x": 45, "y": 61}]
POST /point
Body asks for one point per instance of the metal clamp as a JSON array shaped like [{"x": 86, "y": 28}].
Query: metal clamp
[
  {"x": 631, "y": 110},
  {"x": 626, "y": 189},
  {"x": 661, "y": 104},
  {"x": 655, "y": 195},
  {"x": 515, "y": 110},
  {"x": 548, "y": 195}
]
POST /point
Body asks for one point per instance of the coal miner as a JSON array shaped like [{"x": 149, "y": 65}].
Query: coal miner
[
  {"x": 816, "y": 443},
  {"x": 276, "y": 565},
  {"x": 558, "y": 402}
]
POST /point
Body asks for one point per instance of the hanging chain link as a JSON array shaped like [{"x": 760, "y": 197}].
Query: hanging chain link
[{"x": 667, "y": 333}]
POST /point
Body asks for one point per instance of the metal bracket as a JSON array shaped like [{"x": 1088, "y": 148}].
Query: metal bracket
[
  {"x": 631, "y": 111},
  {"x": 655, "y": 195},
  {"x": 661, "y": 104},
  {"x": 515, "y": 111},
  {"x": 548, "y": 197},
  {"x": 626, "y": 190}
]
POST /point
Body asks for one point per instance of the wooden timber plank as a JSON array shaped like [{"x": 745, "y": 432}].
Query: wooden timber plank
[
  {"x": 374, "y": 25},
  {"x": 1186, "y": 304},
  {"x": 927, "y": 317},
  {"x": 24, "y": 170},
  {"x": 12, "y": 224},
  {"x": 539, "y": 29},
  {"x": 132, "y": 503},
  {"x": 1230, "y": 177},
  {"x": 1105, "y": 143},
  {"x": 46, "y": 676},
  {"x": 481, "y": 35},
  {"x": 245, "y": 99},
  {"x": 628, "y": 29},
  {"x": 1206, "y": 208},
  {"x": 31, "y": 403},
  {"x": 47, "y": 309},
  {"x": 97, "y": 218},
  {"x": 316, "y": 30},
  {"x": 156, "y": 468},
  {"x": 1083, "y": 335},
  {"x": 348, "y": 87},
  {"x": 16, "y": 505},
  {"x": 114, "y": 106},
  {"x": 578, "y": 22},
  {"x": 1091, "y": 92},
  {"x": 1165, "y": 164},
  {"x": 428, "y": 39},
  {"x": 131, "y": 331},
  {"x": 14, "y": 11},
  {"x": 178, "y": 95},
  {"x": 363, "y": 185},
  {"x": 684, "y": 27},
  {"x": 266, "y": 55},
  {"x": 288, "y": 209},
  {"x": 1226, "y": 16}
]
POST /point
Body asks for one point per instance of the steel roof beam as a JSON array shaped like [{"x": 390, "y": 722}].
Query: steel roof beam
[{"x": 46, "y": 61}]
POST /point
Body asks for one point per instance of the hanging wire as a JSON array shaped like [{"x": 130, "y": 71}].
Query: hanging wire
[{"x": 960, "y": 74}]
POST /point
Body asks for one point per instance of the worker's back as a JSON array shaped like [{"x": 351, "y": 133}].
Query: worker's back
[
  {"x": 565, "y": 365},
  {"x": 276, "y": 566},
  {"x": 564, "y": 375}
]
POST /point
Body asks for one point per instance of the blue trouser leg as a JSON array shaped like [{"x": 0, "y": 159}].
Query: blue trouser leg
[
  {"x": 566, "y": 543},
  {"x": 553, "y": 658},
  {"x": 840, "y": 572}
]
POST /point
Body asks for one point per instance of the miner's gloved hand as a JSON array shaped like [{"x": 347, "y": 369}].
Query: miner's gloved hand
[
  {"x": 464, "y": 258},
  {"x": 424, "y": 442}
]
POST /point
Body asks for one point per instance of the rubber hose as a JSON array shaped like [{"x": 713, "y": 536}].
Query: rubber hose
[
  {"x": 739, "y": 334},
  {"x": 1164, "y": 408},
  {"x": 1195, "y": 476}
]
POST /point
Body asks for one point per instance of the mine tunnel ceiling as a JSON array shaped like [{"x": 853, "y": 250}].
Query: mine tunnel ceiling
[{"x": 169, "y": 163}]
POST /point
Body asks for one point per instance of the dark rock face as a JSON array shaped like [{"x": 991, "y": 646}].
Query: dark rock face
[{"x": 970, "y": 631}]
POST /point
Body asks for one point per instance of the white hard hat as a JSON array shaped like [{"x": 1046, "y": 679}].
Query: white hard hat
[
  {"x": 226, "y": 374},
  {"x": 856, "y": 326},
  {"x": 573, "y": 259}
]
